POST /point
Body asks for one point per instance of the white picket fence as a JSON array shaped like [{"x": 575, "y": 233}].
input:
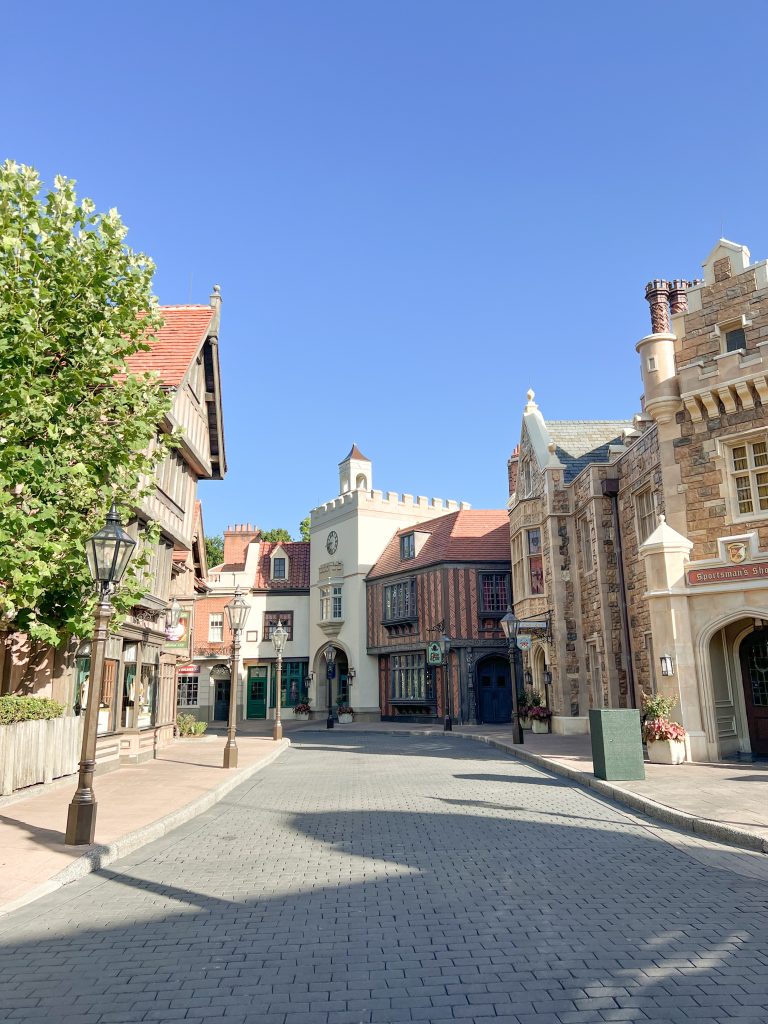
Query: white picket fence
[{"x": 32, "y": 752}]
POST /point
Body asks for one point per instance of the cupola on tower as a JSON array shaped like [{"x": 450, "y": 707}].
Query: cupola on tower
[{"x": 355, "y": 472}]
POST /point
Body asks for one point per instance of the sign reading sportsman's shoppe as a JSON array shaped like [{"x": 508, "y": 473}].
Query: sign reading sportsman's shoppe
[{"x": 729, "y": 574}]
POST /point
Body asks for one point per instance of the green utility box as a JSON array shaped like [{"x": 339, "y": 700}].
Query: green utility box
[{"x": 617, "y": 744}]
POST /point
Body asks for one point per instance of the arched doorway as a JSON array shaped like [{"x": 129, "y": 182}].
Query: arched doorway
[
  {"x": 753, "y": 656},
  {"x": 220, "y": 676},
  {"x": 494, "y": 691},
  {"x": 333, "y": 689}
]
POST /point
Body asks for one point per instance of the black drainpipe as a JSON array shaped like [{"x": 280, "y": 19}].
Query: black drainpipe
[{"x": 611, "y": 490}]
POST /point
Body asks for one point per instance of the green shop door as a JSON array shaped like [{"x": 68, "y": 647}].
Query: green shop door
[{"x": 257, "y": 691}]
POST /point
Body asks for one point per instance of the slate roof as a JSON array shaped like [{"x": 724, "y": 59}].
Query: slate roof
[
  {"x": 581, "y": 442},
  {"x": 473, "y": 535},
  {"x": 297, "y": 552},
  {"x": 177, "y": 343}
]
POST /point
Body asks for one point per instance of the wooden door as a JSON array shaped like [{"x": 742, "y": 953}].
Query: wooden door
[
  {"x": 754, "y": 675},
  {"x": 221, "y": 701},
  {"x": 494, "y": 691},
  {"x": 257, "y": 691}
]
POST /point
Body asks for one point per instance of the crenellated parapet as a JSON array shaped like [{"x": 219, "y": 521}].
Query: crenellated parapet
[{"x": 386, "y": 502}]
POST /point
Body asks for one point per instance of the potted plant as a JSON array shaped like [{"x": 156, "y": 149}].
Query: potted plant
[
  {"x": 664, "y": 739},
  {"x": 301, "y": 710},
  {"x": 189, "y": 726},
  {"x": 346, "y": 714},
  {"x": 539, "y": 716}
]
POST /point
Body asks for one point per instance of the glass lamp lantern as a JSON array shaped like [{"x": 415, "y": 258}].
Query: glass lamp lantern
[
  {"x": 109, "y": 551},
  {"x": 237, "y": 612},
  {"x": 510, "y": 624},
  {"x": 279, "y": 636}
]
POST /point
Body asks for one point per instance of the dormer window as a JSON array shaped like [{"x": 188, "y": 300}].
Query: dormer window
[
  {"x": 278, "y": 564},
  {"x": 407, "y": 546}
]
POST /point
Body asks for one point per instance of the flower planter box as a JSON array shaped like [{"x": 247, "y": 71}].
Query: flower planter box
[
  {"x": 346, "y": 719},
  {"x": 539, "y": 726},
  {"x": 39, "y": 751},
  {"x": 301, "y": 716},
  {"x": 666, "y": 751},
  {"x": 525, "y": 722}
]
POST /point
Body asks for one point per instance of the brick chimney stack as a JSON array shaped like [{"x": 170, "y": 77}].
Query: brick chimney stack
[
  {"x": 236, "y": 541},
  {"x": 657, "y": 296},
  {"x": 678, "y": 296}
]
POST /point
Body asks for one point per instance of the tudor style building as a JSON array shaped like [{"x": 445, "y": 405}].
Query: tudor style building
[
  {"x": 654, "y": 543},
  {"x": 446, "y": 575},
  {"x": 138, "y": 706}
]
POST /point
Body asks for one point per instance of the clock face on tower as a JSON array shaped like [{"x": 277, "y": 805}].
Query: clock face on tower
[{"x": 332, "y": 543}]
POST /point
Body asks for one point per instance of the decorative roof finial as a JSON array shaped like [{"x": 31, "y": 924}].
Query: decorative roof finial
[{"x": 531, "y": 394}]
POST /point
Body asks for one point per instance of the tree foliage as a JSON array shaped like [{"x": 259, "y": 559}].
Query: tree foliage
[
  {"x": 304, "y": 528},
  {"x": 276, "y": 536},
  {"x": 214, "y": 550},
  {"x": 77, "y": 431}
]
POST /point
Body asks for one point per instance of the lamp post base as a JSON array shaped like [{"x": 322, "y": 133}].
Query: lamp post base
[
  {"x": 329, "y": 721},
  {"x": 81, "y": 824},
  {"x": 517, "y": 732},
  {"x": 230, "y": 755},
  {"x": 277, "y": 731},
  {"x": 447, "y": 724}
]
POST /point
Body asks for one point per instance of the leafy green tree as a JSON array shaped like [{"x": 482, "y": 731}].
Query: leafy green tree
[
  {"x": 276, "y": 536},
  {"x": 304, "y": 528},
  {"x": 77, "y": 430},
  {"x": 214, "y": 549}
]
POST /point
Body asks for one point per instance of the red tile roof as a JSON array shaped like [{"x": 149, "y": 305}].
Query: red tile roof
[
  {"x": 297, "y": 552},
  {"x": 178, "y": 342},
  {"x": 476, "y": 535},
  {"x": 355, "y": 453}
]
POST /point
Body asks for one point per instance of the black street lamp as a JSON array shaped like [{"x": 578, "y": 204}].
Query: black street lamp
[
  {"x": 279, "y": 636},
  {"x": 511, "y": 624},
  {"x": 330, "y": 657},
  {"x": 237, "y": 614},
  {"x": 108, "y": 553},
  {"x": 445, "y": 650}
]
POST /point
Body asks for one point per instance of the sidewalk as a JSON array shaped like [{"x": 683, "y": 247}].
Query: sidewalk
[
  {"x": 724, "y": 801},
  {"x": 136, "y": 804}
]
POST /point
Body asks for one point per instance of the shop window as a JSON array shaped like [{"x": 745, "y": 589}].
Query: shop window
[
  {"x": 187, "y": 692},
  {"x": 409, "y": 679}
]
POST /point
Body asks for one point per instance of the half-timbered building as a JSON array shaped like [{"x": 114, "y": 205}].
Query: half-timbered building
[{"x": 445, "y": 576}]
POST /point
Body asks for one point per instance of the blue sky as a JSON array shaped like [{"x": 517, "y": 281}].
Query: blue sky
[{"x": 416, "y": 209}]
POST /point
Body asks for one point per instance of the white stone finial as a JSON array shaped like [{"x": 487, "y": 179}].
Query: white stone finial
[
  {"x": 662, "y": 517},
  {"x": 531, "y": 394}
]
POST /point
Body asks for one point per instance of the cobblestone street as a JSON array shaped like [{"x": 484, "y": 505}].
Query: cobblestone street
[{"x": 373, "y": 878}]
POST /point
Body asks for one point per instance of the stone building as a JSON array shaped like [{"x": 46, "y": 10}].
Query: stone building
[{"x": 654, "y": 534}]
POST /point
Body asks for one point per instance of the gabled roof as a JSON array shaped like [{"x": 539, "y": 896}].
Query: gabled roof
[
  {"x": 475, "y": 535},
  {"x": 176, "y": 345},
  {"x": 297, "y": 552},
  {"x": 581, "y": 442}
]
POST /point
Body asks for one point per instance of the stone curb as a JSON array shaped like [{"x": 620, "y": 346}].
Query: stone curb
[
  {"x": 651, "y": 808},
  {"x": 99, "y": 855}
]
